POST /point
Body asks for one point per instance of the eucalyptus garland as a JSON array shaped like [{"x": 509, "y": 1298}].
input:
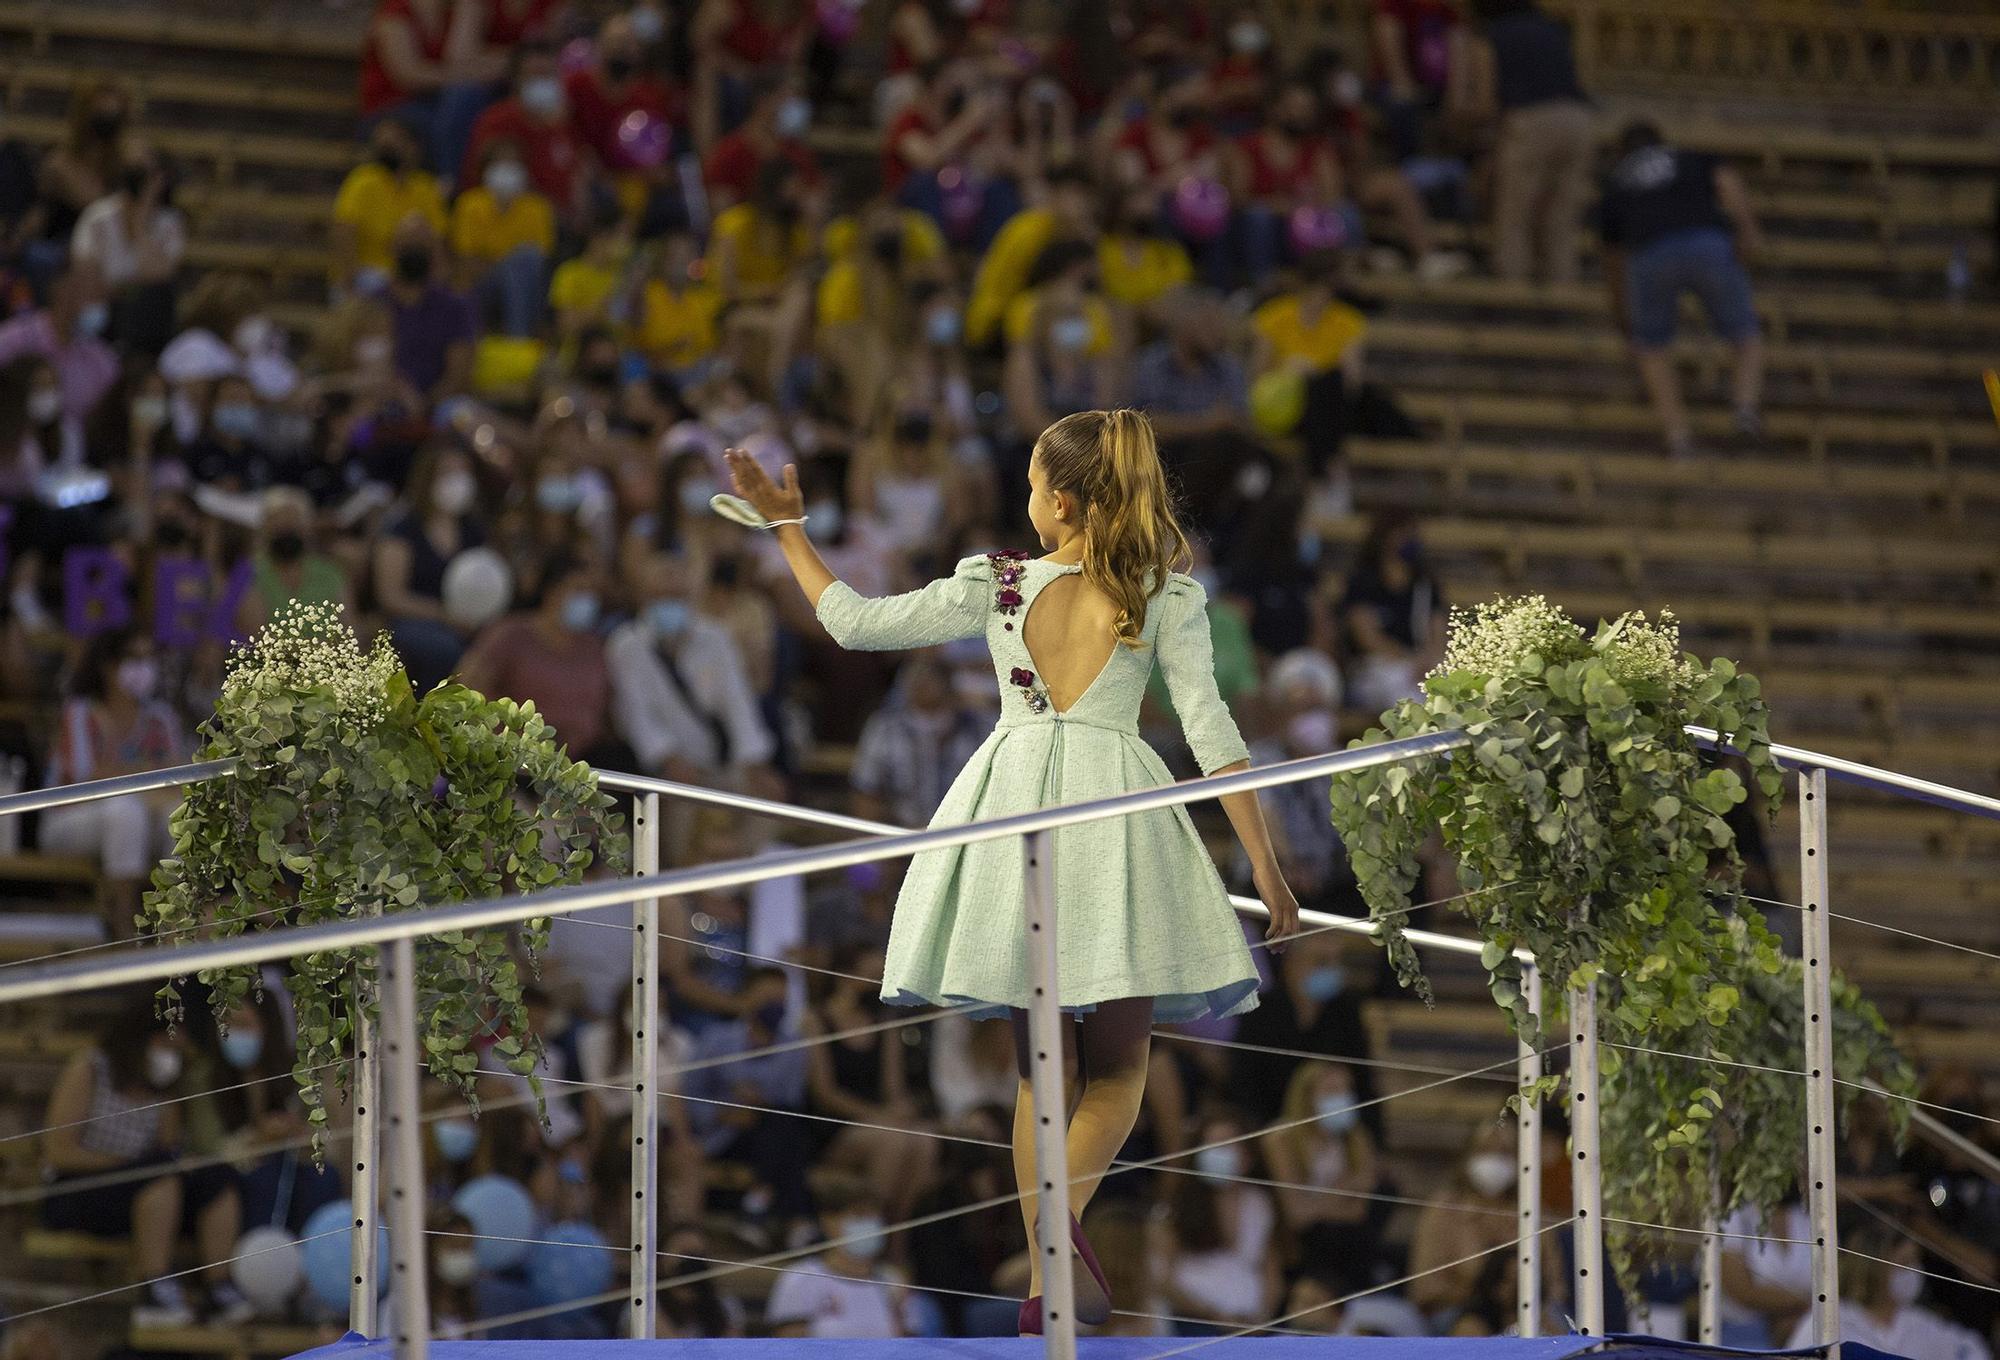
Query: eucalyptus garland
[
  {"x": 353, "y": 796},
  {"x": 1728, "y": 1129},
  {"x": 1581, "y": 814}
]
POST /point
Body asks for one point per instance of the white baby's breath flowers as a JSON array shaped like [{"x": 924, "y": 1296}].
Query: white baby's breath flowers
[
  {"x": 1650, "y": 650},
  {"x": 310, "y": 647},
  {"x": 1492, "y": 638}
]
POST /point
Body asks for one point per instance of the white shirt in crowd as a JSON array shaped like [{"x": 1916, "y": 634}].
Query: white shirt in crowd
[
  {"x": 1915, "y": 1332},
  {"x": 960, "y": 1084},
  {"x": 100, "y": 238},
  {"x": 836, "y": 1305},
  {"x": 1229, "y": 1282},
  {"x": 1785, "y": 1265},
  {"x": 662, "y": 718}
]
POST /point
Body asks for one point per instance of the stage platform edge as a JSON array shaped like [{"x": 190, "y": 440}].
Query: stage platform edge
[{"x": 353, "y": 1347}]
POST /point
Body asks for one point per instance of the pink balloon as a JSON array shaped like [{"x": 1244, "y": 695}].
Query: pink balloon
[
  {"x": 838, "y": 19},
  {"x": 1317, "y": 228},
  {"x": 959, "y": 201},
  {"x": 645, "y": 139},
  {"x": 1201, "y": 208},
  {"x": 579, "y": 54}
]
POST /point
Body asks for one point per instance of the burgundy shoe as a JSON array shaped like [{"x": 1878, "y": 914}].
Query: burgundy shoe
[
  {"x": 1029, "y": 1323},
  {"x": 1093, "y": 1305}
]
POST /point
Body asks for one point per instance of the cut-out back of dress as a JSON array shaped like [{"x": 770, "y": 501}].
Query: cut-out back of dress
[{"x": 1069, "y": 637}]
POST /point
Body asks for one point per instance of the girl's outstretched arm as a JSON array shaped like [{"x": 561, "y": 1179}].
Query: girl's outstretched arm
[{"x": 782, "y": 500}]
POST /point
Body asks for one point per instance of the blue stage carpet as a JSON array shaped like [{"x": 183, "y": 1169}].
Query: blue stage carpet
[{"x": 352, "y": 1347}]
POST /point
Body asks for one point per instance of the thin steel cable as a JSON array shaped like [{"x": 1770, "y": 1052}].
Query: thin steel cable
[
  {"x": 162, "y": 1279},
  {"x": 998, "y": 1201},
  {"x": 1912, "y": 1100},
  {"x": 138, "y": 939},
  {"x": 1700, "y": 1058},
  {"x": 1707, "y": 1232},
  {"x": 1884, "y": 926},
  {"x": 1342, "y": 1302},
  {"x": 510, "y": 1319},
  {"x": 1861, "y": 1202},
  {"x": 161, "y": 1104},
  {"x": 1919, "y": 1270},
  {"x": 1381, "y": 1064}
]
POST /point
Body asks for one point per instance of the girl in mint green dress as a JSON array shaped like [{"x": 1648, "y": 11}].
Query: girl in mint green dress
[{"x": 1145, "y": 930}]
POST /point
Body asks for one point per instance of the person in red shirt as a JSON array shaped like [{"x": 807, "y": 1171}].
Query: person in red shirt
[
  {"x": 924, "y": 32},
  {"x": 536, "y": 118},
  {"x": 1170, "y": 140},
  {"x": 1412, "y": 42},
  {"x": 774, "y": 130},
  {"x": 953, "y": 143},
  {"x": 602, "y": 95},
  {"x": 403, "y": 54},
  {"x": 1241, "y": 81},
  {"x": 738, "y": 43}
]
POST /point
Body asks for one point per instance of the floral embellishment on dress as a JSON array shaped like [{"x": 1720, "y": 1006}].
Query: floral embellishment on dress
[
  {"x": 1032, "y": 694},
  {"x": 1007, "y": 572}
]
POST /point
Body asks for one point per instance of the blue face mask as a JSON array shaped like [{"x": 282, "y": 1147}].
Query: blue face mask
[
  {"x": 456, "y": 1139},
  {"x": 1336, "y": 1111},
  {"x": 237, "y": 419},
  {"x": 558, "y": 493},
  {"x": 942, "y": 328},
  {"x": 668, "y": 618},
  {"x": 1226, "y": 1160},
  {"x": 1070, "y": 333},
  {"x": 93, "y": 318},
  {"x": 823, "y": 521},
  {"x": 579, "y": 612},
  {"x": 867, "y": 1239},
  {"x": 241, "y": 1048},
  {"x": 695, "y": 494},
  {"x": 794, "y": 117},
  {"x": 1325, "y": 982}
]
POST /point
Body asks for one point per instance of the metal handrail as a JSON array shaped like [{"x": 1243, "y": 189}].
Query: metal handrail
[
  {"x": 1867, "y": 776},
  {"x": 265, "y": 946}
]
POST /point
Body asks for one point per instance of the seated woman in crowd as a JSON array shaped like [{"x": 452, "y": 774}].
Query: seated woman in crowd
[
  {"x": 1223, "y": 1259},
  {"x": 503, "y": 233},
  {"x": 1321, "y": 1145},
  {"x": 438, "y": 520},
  {"x": 114, "y": 722},
  {"x": 1463, "y": 1293},
  {"x": 110, "y": 1122}
]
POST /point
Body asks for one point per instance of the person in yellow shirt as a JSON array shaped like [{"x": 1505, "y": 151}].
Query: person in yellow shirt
[
  {"x": 1002, "y": 276},
  {"x": 755, "y": 247},
  {"x": 375, "y": 196},
  {"x": 502, "y": 233},
  {"x": 1061, "y": 344},
  {"x": 585, "y": 291},
  {"x": 679, "y": 308},
  {"x": 900, "y": 240},
  {"x": 1309, "y": 331},
  {"x": 1139, "y": 261}
]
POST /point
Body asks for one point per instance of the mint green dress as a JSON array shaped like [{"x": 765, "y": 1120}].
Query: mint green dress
[{"x": 1140, "y": 910}]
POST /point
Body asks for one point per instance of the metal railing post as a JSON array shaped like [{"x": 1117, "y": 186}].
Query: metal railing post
[
  {"x": 1817, "y": 946},
  {"x": 1528, "y": 1190},
  {"x": 409, "y": 1274},
  {"x": 365, "y": 1093},
  {"x": 1708, "y": 1291},
  {"x": 645, "y": 1071},
  {"x": 1586, "y": 1174},
  {"x": 1045, "y": 1070}
]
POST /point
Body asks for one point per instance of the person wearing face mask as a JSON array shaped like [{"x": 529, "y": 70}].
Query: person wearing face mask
[
  {"x": 1140, "y": 263},
  {"x": 1321, "y": 1144},
  {"x": 678, "y": 308},
  {"x": 287, "y": 566},
  {"x": 774, "y": 1146},
  {"x": 622, "y": 83},
  {"x": 438, "y": 520},
  {"x": 66, "y": 335},
  {"x": 1222, "y": 1262},
  {"x": 1464, "y": 1293},
  {"x": 1239, "y": 81},
  {"x": 1881, "y": 1283},
  {"x": 136, "y": 239},
  {"x": 593, "y": 289},
  {"x": 111, "y": 1112},
  {"x": 678, "y": 692},
  {"x": 536, "y": 119},
  {"x": 553, "y": 654},
  {"x": 230, "y": 451},
  {"x": 773, "y": 133},
  {"x": 1312, "y": 1005},
  {"x": 911, "y": 746},
  {"x": 432, "y": 325},
  {"x": 502, "y": 234},
  {"x": 114, "y": 721},
  {"x": 757, "y": 248},
  {"x": 845, "y": 1290},
  {"x": 378, "y": 193},
  {"x": 1062, "y": 346},
  {"x": 943, "y": 136}
]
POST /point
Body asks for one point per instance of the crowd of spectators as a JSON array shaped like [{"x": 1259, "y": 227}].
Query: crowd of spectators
[{"x": 583, "y": 251}]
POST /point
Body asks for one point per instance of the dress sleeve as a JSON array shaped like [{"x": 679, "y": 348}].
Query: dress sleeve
[
  {"x": 947, "y": 609},
  {"x": 1187, "y": 660}
]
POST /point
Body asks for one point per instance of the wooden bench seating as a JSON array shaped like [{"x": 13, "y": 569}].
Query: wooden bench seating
[{"x": 162, "y": 26}]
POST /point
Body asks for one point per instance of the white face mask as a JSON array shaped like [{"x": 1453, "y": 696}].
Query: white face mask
[
  {"x": 163, "y": 1067},
  {"x": 1219, "y": 1161},
  {"x": 373, "y": 351},
  {"x": 452, "y": 493},
  {"x": 44, "y": 405},
  {"x": 1904, "y": 1286},
  {"x": 506, "y": 179},
  {"x": 457, "y": 1266},
  {"x": 542, "y": 95},
  {"x": 1490, "y": 1173},
  {"x": 866, "y": 1230}
]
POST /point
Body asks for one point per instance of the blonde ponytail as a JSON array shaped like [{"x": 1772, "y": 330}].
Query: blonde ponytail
[{"x": 1109, "y": 461}]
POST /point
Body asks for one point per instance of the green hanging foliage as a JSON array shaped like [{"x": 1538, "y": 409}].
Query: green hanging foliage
[
  {"x": 352, "y": 796},
  {"x": 1741, "y": 1128}
]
